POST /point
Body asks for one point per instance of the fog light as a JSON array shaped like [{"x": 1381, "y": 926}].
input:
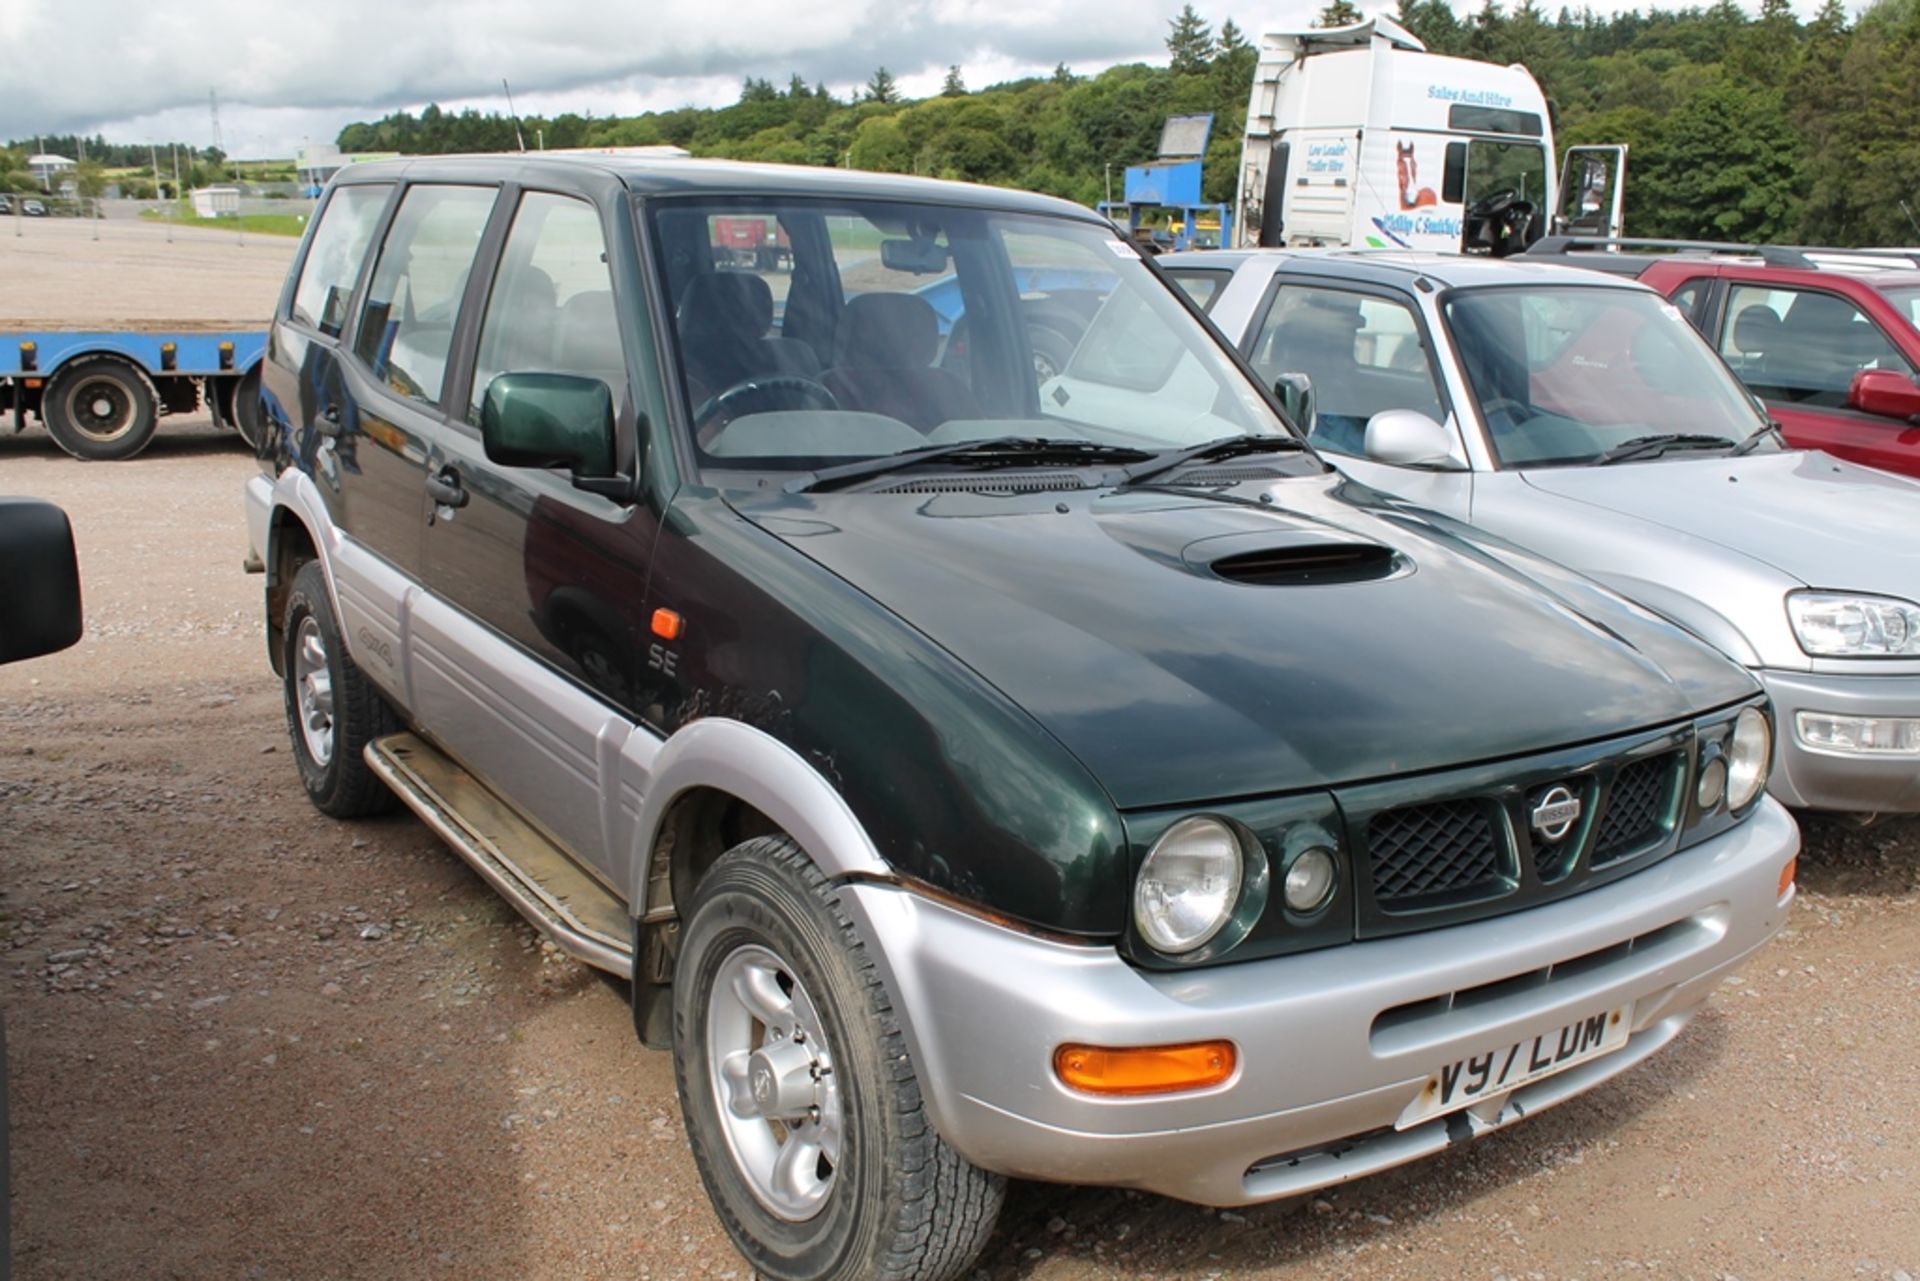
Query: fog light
[
  {"x": 1858, "y": 735},
  {"x": 1309, "y": 881},
  {"x": 1713, "y": 784},
  {"x": 1147, "y": 1069}
]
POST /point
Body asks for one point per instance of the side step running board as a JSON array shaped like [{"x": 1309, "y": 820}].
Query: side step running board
[{"x": 584, "y": 918}]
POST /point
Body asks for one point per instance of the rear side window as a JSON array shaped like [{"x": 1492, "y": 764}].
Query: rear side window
[
  {"x": 406, "y": 328},
  {"x": 334, "y": 256},
  {"x": 551, "y": 308}
]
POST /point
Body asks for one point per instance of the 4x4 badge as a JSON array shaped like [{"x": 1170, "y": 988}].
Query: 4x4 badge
[{"x": 1556, "y": 813}]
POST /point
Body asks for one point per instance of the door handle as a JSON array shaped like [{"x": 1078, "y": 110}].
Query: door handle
[
  {"x": 328, "y": 424},
  {"x": 445, "y": 489}
]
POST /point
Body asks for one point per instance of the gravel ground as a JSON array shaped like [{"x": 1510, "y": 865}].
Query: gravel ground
[
  {"x": 251, "y": 1042},
  {"x": 83, "y": 273}
]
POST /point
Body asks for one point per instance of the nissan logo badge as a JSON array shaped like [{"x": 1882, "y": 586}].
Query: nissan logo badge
[{"x": 1556, "y": 813}]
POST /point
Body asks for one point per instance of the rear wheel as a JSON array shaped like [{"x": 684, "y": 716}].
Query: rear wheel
[
  {"x": 801, "y": 1102},
  {"x": 333, "y": 710},
  {"x": 99, "y": 410}
]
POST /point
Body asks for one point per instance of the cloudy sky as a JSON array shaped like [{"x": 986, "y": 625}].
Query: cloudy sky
[{"x": 290, "y": 73}]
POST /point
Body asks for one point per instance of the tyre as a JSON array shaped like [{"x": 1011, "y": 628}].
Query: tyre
[
  {"x": 99, "y": 410},
  {"x": 1051, "y": 352},
  {"x": 801, "y": 1103},
  {"x": 333, "y": 710},
  {"x": 249, "y": 418}
]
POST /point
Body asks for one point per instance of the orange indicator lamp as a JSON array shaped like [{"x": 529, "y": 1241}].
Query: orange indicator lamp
[{"x": 1148, "y": 1069}]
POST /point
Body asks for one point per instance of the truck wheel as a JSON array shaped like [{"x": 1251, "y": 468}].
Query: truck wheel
[
  {"x": 248, "y": 415},
  {"x": 333, "y": 710},
  {"x": 801, "y": 1104},
  {"x": 100, "y": 410}
]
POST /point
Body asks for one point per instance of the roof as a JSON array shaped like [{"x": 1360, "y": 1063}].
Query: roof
[
  {"x": 1357, "y": 35},
  {"x": 1399, "y": 267},
  {"x": 667, "y": 176},
  {"x": 1633, "y": 256},
  {"x": 47, "y": 160}
]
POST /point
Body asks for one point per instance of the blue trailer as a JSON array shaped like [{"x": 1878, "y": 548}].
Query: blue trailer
[{"x": 102, "y": 392}]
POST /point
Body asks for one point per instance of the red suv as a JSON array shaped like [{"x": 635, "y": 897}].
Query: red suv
[{"x": 1829, "y": 339}]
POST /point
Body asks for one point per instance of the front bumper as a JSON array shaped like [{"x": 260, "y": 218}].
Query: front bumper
[
  {"x": 1333, "y": 1044},
  {"x": 259, "y": 505},
  {"x": 1809, "y": 778}
]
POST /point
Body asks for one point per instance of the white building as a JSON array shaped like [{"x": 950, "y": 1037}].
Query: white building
[
  {"x": 216, "y": 202},
  {"x": 50, "y": 169}
]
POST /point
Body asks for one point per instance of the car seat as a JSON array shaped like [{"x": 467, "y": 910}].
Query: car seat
[
  {"x": 724, "y": 321},
  {"x": 1816, "y": 358},
  {"x": 883, "y": 363}
]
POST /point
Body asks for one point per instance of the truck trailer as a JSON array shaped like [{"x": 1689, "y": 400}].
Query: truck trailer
[
  {"x": 101, "y": 390},
  {"x": 1358, "y": 136}
]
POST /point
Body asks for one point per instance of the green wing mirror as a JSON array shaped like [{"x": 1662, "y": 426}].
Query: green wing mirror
[{"x": 551, "y": 420}]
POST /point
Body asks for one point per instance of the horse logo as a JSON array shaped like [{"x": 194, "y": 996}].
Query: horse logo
[{"x": 1409, "y": 175}]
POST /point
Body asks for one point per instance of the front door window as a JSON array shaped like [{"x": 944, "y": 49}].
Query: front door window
[
  {"x": 1802, "y": 346},
  {"x": 1363, "y": 353}
]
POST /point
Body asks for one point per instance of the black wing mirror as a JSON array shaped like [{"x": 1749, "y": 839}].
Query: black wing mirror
[{"x": 39, "y": 580}]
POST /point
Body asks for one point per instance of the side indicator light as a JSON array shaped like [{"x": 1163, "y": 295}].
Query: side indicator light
[
  {"x": 668, "y": 625},
  {"x": 1148, "y": 1069},
  {"x": 1787, "y": 874}
]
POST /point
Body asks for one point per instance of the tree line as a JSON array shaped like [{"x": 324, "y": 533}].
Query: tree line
[{"x": 1741, "y": 127}]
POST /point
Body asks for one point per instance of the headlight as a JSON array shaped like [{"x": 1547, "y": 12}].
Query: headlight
[
  {"x": 1747, "y": 758},
  {"x": 1188, "y": 885},
  {"x": 1835, "y": 626}
]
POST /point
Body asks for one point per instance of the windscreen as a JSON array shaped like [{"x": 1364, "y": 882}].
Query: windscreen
[
  {"x": 1563, "y": 374},
  {"x": 813, "y": 332}
]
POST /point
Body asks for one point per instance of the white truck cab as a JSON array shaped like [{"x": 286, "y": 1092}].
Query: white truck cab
[{"x": 1358, "y": 136}]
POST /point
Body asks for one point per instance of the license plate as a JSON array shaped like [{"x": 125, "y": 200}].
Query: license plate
[{"x": 1465, "y": 1082}]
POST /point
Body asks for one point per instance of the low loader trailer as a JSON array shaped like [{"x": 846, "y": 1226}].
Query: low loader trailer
[{"x": 101, "y": 390}]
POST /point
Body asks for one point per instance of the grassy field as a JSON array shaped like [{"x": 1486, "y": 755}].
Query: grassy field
[{"x": 266, "y": 224}]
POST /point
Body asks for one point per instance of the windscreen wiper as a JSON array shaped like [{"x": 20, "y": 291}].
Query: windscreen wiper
[
  {"x": 1648, "y": 446},
  {"x": 1753, "y": 442},
  {"x": 1001, "y": 451},
  {"x": 1225, "y": 447}
]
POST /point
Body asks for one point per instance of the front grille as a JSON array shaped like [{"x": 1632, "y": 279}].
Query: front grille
[
  {"x": 1637, "y": 808},
  {"x": 1423, "y": 852},
  {"x": 1453, "y": 848}
]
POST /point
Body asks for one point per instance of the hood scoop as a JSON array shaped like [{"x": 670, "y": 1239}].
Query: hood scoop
[{"x": 1305, "y": 559}]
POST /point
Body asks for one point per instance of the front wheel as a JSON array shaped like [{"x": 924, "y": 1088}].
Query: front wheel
[
  {"x": 99, "y": 410},
  {"x": 333, "y": 710},
  {"x": 801, "y": 1102}
]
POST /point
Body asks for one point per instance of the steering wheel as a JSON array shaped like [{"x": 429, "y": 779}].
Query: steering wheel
[
  {"x": 1494, "y": 205},
  {"x": 761, "y": 384}
]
